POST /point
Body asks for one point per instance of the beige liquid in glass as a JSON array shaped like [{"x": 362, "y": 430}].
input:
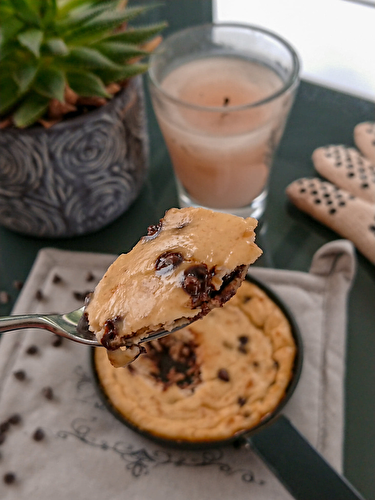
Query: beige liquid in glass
[{"x": 222, "y": 157}]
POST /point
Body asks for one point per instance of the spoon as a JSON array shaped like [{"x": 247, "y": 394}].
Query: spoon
[{"x": 72, "y": 326}]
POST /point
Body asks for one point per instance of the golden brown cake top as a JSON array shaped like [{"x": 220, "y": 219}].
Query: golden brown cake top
[{"x": 217, "y": 376}]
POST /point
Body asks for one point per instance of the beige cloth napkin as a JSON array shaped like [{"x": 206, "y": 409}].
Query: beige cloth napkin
[{"x": 87, "y": 454}]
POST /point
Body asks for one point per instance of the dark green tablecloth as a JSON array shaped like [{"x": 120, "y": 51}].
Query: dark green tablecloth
[{"x": 320, "y": 116}]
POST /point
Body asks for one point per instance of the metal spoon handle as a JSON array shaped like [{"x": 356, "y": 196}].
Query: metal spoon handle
[{"x": 10, "y": 323}]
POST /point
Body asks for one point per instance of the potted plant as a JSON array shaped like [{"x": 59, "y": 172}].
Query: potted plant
[{"x": 73, "y": 140}]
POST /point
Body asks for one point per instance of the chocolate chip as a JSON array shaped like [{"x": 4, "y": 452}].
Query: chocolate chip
[
  {"x": 33, "y": 349},
  {"x": 317, "y": 201},
  {"x": 57, "y": 341},
  {"x": 255, "y": 364},
  {"x": 39, "y": 295},
  {"x": 9, "y": 478},
  {"x": 4, "y": 426},
  {"x": 242, "y": 349},
  {"x": 15, "y": 419},
  {"x": 38, "y": 434},
  {"x": 81, "y": 296},
  {"x": 244, "y": 339},
  {"x": 56, "y": 279},
  {"x": 110, "y": 332},
  {"x": 332, "y": 211},
  {"x": 241, "y": 401},
  {"x": 47, "y": 393},
  {"x": 90, "y": 276},
  {"x": 197, "y": 283},
  {"x": 153, "y": 231},
  {"x": 4, "y": 297},
  {"x": 20, "y": 374},
  {"x": 223, "y": 375},
  {"x": 2, "y": 438},
  {"x": 168, "y": 261},
  {"x": 302, "y": 190},
  {"x": 226, "y": 101},
  {"x": 17, "y": 285},
  {"x": 364, "y": 185}
]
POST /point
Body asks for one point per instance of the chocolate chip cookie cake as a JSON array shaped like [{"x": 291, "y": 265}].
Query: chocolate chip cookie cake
[
  {"x": 193, "y": 261},
  {"x": 216, "y": 377}
]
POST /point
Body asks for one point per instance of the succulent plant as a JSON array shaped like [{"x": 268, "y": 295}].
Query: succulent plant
[{"x": 53, "y": 52}]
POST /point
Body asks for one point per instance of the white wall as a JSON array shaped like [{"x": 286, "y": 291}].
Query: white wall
[{"x": 335, "y": 39}]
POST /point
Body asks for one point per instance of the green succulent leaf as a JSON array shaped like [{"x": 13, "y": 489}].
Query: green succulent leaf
[
  {"x": 31, "y": 109},
  {"x": 86, "y": 84},
  {"x": 79, "y": 16},
  {"x": 69, "y": 6},
  {"x": 48, "y": 9},
  {"x": 50, "y": 83},
  {"x": 8, "y": 93},
  {"x": 87, "y": 58},
  {"x": 24, "y": 75},
  {"x": 31, "y": 39},
  {"x": 9, "y": 29},
  {"x": 24, "y": 10},
  {"x": 137, "y": 35},
  {"x": 127, "y": 71},
  {"x": 119, "y": 52},
  {"x": 55, "y": 47},
  {"x": 101, "y": 25}
]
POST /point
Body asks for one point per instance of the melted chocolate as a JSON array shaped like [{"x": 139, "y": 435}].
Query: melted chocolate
[
  {"x": 153, "y": 231},
  {"x": 197, "y": 283},
  {"x": 110, "y": 332},
  {"x": 175, "y": 362},
  {"x": 168, "y": 261}
]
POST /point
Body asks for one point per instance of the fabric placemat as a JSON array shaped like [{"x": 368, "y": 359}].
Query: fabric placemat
[{"x": 85, "y": 453}]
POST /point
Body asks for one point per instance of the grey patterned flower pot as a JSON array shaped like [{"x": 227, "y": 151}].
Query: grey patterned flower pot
[{"x": 80, "y": 174}]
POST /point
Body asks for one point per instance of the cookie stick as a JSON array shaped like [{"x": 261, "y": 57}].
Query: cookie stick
[
  {"x": 347, "y": 169},
  {"x": 364, "y": 138},
  {"x": 351, "y": 217}
]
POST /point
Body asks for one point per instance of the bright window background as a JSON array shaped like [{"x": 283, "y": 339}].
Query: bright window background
[{"x": 335, "y": 39}]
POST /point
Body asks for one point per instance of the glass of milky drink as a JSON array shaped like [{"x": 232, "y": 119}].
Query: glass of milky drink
[{"x": 221, "y": 94}]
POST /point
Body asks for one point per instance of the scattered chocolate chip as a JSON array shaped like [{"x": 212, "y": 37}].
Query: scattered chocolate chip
[
  {"x": 4, "y": 426},
  {"x": 168, "y": 261},
  {"x": 47, "y": 393},
  {"x": 56, "y": 279},
  {"x": 4, "y": 297},
  {"x": 57, "y": 341},
  {"x": 33, "y": 349},
  {"x": 2, "y": 438},
  {"x": 17, "y": 285},
  {"x": 332, "y": 211},
  {"x": 15, "y": 419},
  {"x": 365, "y": 185},
  {"x": 39, "y": 295},
  {"x": 81, "y": 296},
  {"x": 255, "y": 364},
  {"x": 244, "y": 339},
  {"x": 20, "y": 375},
  {"x": 242, "y": 349},
  {"x": 317, "y": 201},
  {"x": 241, "y": 401},
  {"x": 302, "y": 190},
  {"x": 9, "y": 478},
  {"x": 90, "y": 276},
  {"x": 223, "y": 375},
  {"x": 38, "y": 434},
  {"x": 226, "y": 101}
]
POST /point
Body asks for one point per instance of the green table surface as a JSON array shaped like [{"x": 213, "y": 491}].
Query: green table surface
[{"x": 320, "y": 116}]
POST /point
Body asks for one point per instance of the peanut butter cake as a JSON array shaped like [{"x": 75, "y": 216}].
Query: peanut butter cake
[
  {"x": 211, "y": 379},
  {"x": 193, "y": 261}
]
